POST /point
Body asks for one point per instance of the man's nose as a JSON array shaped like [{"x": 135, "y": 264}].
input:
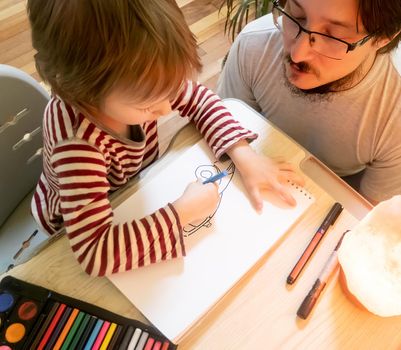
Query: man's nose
[
  {"x": 162, "y": 107},
  {"x": 301, "y": 49}
]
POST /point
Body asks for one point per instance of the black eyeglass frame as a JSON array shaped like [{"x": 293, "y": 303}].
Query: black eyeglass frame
[{"x": 350, "y": 46}]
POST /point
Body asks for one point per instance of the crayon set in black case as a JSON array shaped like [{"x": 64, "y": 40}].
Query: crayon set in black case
[{"x": 32, "y": 317}]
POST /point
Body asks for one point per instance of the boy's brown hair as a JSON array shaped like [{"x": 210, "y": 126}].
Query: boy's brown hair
[{"x": 85, "y": 48}]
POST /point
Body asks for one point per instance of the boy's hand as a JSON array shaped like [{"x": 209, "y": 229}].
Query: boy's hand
[
  {"x": 197, "y": 202},
  {"x": 260, "y": 173}
]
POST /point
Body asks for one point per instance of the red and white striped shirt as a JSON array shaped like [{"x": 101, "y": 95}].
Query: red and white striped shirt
[{"x": 83, "y": 162}]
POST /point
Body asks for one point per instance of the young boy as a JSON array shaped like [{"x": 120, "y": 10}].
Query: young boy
[{"x": 115, "y": 67}]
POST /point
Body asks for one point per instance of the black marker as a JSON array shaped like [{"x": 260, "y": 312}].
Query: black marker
[{"x": 310, "y": 300}]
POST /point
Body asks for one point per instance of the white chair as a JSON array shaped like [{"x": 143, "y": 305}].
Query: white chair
[{"x": 22, "y": 102}]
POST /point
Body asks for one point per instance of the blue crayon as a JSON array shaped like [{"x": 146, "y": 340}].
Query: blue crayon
[{"x": 216, "y": 177}]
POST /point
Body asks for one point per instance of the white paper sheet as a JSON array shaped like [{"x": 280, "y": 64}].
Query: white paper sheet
[{"x": 176, "y": 293}]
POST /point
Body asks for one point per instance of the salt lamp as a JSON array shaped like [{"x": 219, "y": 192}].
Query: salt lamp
[{"x": 370, "y": 260}]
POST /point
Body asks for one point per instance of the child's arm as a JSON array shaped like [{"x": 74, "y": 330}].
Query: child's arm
[
  {"x": 102, "y": 247},
  {"x": 216, "y": 124},
  {"x": 226, "y": 135}
]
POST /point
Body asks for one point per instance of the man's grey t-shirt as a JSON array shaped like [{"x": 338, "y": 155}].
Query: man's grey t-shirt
[{"x": 354, "y": 130}]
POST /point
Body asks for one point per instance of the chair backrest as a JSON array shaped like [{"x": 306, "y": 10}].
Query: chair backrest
[{"x": 22, "y": 102}]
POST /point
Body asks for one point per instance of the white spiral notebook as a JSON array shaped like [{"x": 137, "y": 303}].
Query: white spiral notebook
[{"x": 174, "y": 294}]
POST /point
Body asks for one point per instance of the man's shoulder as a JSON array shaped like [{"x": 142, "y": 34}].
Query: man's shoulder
[
  {"x": 263, "y": 23},
  {"x": 390, "y": 67},
  {"x": 259, "y": 35},
  {"x": 395, "y": 57}
]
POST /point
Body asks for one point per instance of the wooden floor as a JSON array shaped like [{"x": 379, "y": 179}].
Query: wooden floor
[{"x": 202, "y": 16}]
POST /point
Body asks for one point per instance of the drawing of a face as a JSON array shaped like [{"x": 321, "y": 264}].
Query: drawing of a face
[{"x": 203, "y": 172}]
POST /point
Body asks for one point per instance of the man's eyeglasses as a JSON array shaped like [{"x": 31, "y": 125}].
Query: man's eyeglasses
[{"x": 323, "y": 44}]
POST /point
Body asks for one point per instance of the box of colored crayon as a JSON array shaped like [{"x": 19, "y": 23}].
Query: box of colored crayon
[{"x": 32, "y": 317}]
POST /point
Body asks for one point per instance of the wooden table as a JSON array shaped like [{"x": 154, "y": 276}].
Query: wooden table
[{"x": 260, "y": 311}]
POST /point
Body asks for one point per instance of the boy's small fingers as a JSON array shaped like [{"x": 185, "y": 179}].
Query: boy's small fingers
[
  {"x": 286, "y": 196},
  {"x": 298, "y": 179},
  {"x": 286, "y": 166},
  {"x": 285, "y": 177},
  {"x": 212, "y": 188},
  {"x": 256, "y": 200}
]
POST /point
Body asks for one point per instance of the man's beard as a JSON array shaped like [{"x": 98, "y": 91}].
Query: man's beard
[{"x": 321, "y": 92}]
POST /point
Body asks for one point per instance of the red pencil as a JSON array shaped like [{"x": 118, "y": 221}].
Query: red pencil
[{"x": 51, "y": 327}]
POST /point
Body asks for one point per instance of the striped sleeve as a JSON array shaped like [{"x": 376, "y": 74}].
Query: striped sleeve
[
  {"x": 211, "y": 117},
  {"x": 100, "y": 246}
]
